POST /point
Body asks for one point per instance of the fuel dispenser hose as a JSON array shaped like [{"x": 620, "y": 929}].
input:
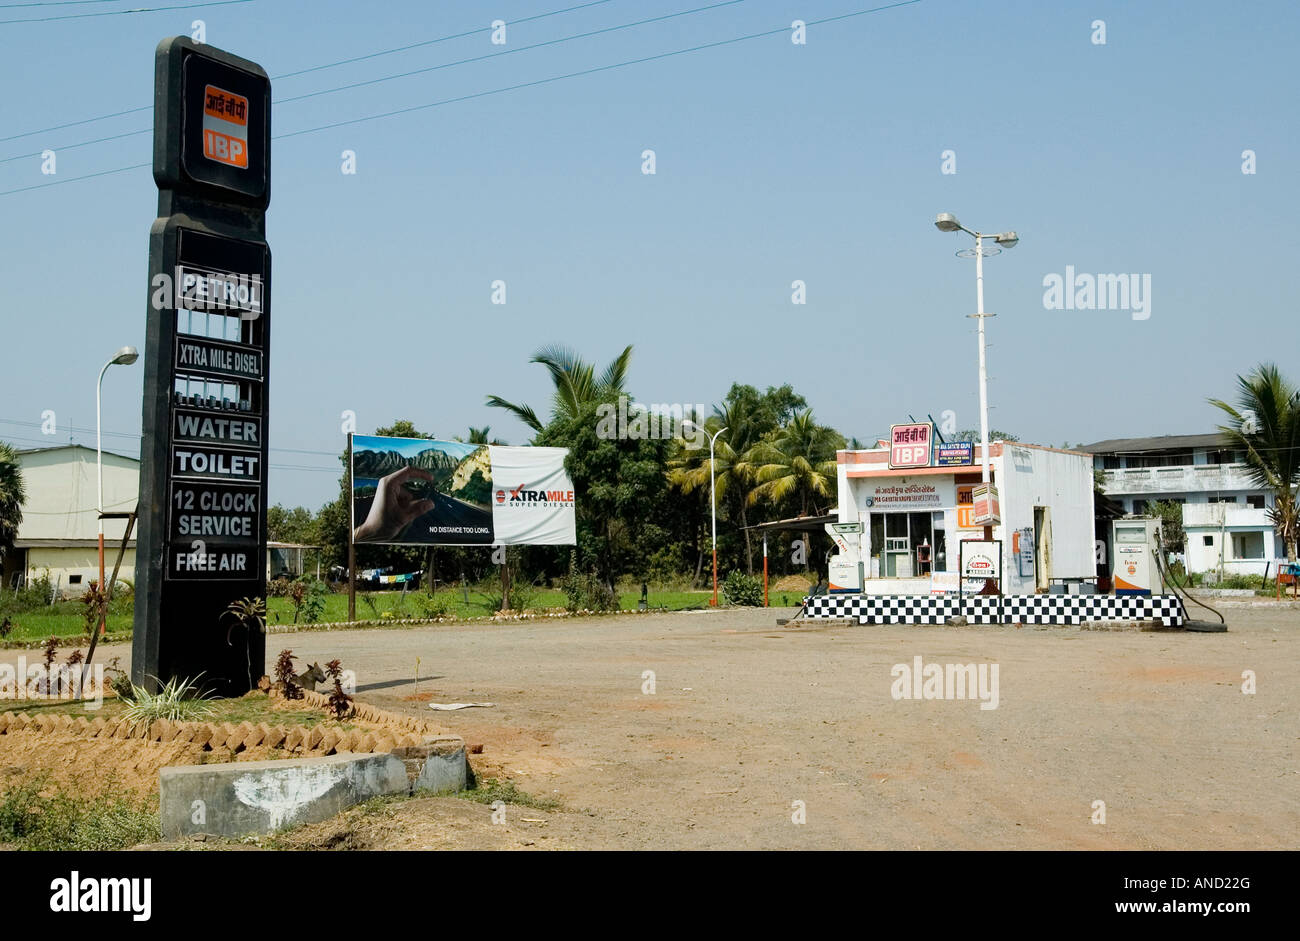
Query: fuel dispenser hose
[{"x": 1181, "y": 590}]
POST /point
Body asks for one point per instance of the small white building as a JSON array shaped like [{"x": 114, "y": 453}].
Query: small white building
[
  {"x": 1225, "y": 512},
  {"x": 1230, "y": 539},
  {"x": 59, "y": 533},
  {"x": 913, "y": 520}
]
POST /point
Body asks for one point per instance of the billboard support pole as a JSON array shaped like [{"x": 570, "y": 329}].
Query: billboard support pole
[
  {"x": 352, "y": 580},
  {"x": 352, "y": 548},
  {"x": 505, "y": 578}
]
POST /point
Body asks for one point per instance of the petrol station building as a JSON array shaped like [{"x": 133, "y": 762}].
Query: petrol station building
[{"x": 905, "y": 526}]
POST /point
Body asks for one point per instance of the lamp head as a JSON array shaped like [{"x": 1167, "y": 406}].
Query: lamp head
[
  {"x": 1007, "y": 239},
  {"x": 947, "y": 222},
  {"x": 126, "y": 356}
]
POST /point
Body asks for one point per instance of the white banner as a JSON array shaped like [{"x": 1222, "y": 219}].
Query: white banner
[{"x": 532, "y": 497}]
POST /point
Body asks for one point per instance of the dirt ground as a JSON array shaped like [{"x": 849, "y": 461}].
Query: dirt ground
[{"x": 747, "y": 718}]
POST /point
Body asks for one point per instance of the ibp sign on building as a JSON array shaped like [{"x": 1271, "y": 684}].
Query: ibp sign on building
[{"x": 909, "y": 445}]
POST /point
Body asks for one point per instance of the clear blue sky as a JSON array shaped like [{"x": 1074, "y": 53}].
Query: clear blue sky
[{"x": 775, "y": 162}]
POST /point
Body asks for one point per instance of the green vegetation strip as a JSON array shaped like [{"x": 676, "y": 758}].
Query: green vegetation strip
[{"x": 34, "y": 817}]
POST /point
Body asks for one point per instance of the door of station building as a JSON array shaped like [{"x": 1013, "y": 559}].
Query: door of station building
[{"x": 1042, "y": 548}]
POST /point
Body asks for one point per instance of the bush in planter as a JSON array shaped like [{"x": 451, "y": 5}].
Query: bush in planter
[
  {"x": 587, "y": 592},
  {"x": 741, "y": 589}
]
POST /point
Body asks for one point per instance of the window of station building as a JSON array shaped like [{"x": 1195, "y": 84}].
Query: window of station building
[
  {"x": 1139, "y": 507},
  {"x": 1232, "y": 499},
  {"x": 74, "y": 579},
  {"x": 1223, "y": 456},
  {"x": 1255, "y": 500},
  {"x": 1110, "y": 462},
  {"x": 1248, "y": 545},
  {"x": 1207, "y": 540}
]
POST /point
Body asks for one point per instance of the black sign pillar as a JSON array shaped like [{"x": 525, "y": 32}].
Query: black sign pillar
[{"x": 203, "y": 474}]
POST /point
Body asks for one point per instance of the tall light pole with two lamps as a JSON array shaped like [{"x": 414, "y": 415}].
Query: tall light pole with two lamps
[
  {"x": 713, "y": 504},
  {"x": 123, "y": 357},
  {"x": 947, "y": 222}
]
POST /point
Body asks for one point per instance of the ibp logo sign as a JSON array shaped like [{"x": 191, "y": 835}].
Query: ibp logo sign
[
  {"x": 225, "y": 127},
  {"x": 501, "y": 496}
]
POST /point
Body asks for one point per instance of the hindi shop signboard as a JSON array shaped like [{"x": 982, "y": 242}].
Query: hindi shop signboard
[
  {"x": 202, "y": 510},
  {"x": 423, "y": 492},
  {"x": 954, "y": 454},
  {"x": 909, "y": 445},
  {"x": 904, "y": 493}
]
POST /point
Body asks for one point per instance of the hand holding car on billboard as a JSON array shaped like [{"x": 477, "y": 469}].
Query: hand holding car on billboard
[{"x": 394, "y": 506}]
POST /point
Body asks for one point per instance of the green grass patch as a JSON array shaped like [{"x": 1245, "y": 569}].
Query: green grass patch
[
  {"x": 493, "y": 789},
  {"x": 69, "y": 626},
  {"x": 65, "y": 622},
  {"x": 390, "y": 605},
  {"x": 32, "y": 817}
]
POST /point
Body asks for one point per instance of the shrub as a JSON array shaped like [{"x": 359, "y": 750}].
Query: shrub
[
  {"x": 340, "y": 703},
  {"x": 432, "y": 606},
  {"x": 284, "y": 674},
  {"x": 297, "y": 594},
  {"x": 313, "y": 608},
  {"x": 585, "y": 591},
  {"x": 741, "y": 589},
  {"x": 179, "y": 700},
  {"x": 94, "y": 607}
]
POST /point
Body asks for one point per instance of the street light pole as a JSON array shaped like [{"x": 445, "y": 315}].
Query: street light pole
[
  {"x": 947, "y": 222},
  {"x": 713, "y": 506},
  {"x": 984, "y": 372},
  {"x": 125, "y": 357}
]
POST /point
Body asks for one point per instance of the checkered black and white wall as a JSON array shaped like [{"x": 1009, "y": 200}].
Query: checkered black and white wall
[{"x": 994, "y": 609}]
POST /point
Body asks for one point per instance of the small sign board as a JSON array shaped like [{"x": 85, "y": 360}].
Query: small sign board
[
  {"x": 954, "y": 454},
  {"x": 909, "y": 445},
  {"x": 981, "y": 558},
  {"x": 987, "y": 512},
  {"x": 847, "y": 527}
]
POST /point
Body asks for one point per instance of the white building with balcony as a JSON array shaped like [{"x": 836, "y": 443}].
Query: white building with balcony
[{"x": 1225, "y": 514}]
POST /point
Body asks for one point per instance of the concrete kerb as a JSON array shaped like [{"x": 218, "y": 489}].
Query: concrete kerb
[{"x": 243, "y": 798}]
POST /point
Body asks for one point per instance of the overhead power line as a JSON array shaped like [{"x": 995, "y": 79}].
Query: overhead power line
[
  {"x": 316, "y": 68},
  {"x": 83, "y": 16},
  {"x": 509, "y": 88},
  {"x": 390, "y": 78}
]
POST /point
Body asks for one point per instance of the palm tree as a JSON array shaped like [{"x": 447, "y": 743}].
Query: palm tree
[
  {"x": 1266, "y": 426},
  {"x": 12, "y": 496},
  {"x": 576, "y": 384},
  {"x": 797, "y": 461},
  {"x": 478, "y": 436}
]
